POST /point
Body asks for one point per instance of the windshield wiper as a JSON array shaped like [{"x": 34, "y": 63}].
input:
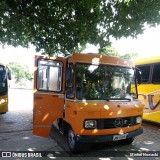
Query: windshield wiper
[
  {"x": 123, "y": 99},
  {"x": 107, "y": 99}
]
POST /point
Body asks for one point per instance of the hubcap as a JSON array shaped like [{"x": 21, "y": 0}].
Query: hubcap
[{"x": 71, "y": 139}]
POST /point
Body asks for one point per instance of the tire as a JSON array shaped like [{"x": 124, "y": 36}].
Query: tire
[
  {"x": 126, "y": 141},
  {"x": 73, "y": 145},
  {"x": 3, "y": 113}
]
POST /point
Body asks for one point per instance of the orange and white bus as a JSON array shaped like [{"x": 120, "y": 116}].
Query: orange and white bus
[
  {"x": 149, "y": 89},
  {"x": 89, "y": 97},
  {"x": 4, "y": 76}
]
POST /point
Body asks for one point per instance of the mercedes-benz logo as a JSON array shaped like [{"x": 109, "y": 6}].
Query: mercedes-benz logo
[{"x": 118, "y": 123}]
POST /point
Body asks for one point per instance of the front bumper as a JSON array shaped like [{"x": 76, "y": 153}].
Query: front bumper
[{"x": 105, "y": 138}]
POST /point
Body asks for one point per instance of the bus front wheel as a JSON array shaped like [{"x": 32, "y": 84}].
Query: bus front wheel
[{"x": 73, "y": 145}]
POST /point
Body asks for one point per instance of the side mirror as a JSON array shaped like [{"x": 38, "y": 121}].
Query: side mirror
[
  {"x": 138, "y": 76},
  {"x": 9, "y": 74}
]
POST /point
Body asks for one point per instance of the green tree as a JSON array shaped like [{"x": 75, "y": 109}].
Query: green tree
[
  {"x": 129, "y": 56},
  {"x": 110, "y": 51},
  {"x": 55, "y": 26},
  {"x": 20, "y": 72}
]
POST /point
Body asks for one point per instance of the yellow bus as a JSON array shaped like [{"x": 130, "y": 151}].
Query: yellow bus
[
  {"x": 149, "y": 89},
  {"x": 5, "y": 74},
  {"x": 89, "y": 97}
]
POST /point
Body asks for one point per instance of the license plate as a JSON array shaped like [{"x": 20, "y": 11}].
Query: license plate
[{"x": 119, "y": 137}]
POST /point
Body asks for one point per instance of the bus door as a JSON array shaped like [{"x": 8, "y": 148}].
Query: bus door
[{"x": 49, "y": 78}]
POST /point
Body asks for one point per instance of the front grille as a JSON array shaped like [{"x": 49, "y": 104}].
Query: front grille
[{"x": 110, "y": 123}]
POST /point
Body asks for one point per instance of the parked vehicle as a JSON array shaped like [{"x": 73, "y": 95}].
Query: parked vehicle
[
  {"x": 89, "y": 97},
  {"x": 5, "y": 74},
  {"x": 149, "y": 89}
]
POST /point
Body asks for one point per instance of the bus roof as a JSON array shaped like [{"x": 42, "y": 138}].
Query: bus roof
[
  {"x": 99, "y": 59},
  {"x": 149, "y": 60}
]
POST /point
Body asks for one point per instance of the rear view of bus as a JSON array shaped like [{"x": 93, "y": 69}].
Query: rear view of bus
[
  {"x": 4, "y": 76},
  {"x": 149, "y": 89}
]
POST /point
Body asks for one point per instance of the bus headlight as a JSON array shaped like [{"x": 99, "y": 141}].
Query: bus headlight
[
  {"x": 138, "y": 120},
  {"x": 90, "y": 124}
]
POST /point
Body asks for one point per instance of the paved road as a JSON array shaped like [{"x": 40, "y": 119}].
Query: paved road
[{"x": 16, "y": 135}]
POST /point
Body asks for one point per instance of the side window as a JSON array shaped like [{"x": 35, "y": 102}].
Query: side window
[
  {"x": 156, "y": 74},
  {"x": 145, "y": 73},
  {"x": 49, "y": 76},
  {"x": 70, "y": 81}
]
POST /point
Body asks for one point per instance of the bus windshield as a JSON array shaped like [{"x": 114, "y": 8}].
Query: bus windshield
[
  {"x": 3, "y": 80},
  {"x": 101, "y": 82}
]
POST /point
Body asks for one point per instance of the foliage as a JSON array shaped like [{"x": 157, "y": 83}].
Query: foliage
[
  {"x": 110, "y": 51},
  {"x": 20, "y": 72},
  {"x": 55, "y": 26},
  {"x": 129, "y": 56}
]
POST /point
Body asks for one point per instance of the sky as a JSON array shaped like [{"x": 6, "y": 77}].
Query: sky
[
  {"x": 146, "y": 45},
  {"x": 19, "y": 54}
]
